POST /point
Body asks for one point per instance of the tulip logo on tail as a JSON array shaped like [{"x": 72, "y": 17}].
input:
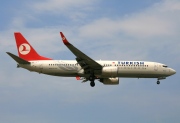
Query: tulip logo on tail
[{"x": 24, "y": 49}]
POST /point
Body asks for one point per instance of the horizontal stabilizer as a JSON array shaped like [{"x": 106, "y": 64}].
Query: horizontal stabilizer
[{"x": 18, "y": 59}]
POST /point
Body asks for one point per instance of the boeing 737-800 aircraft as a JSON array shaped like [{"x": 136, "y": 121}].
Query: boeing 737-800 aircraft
[{"x": 85, "y": 68}]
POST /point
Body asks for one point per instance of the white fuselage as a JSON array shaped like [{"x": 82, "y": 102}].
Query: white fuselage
[{"x": 70, "y": 68}]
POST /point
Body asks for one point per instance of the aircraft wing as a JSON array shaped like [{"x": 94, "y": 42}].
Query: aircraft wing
[{"x": 85, "y": 61}]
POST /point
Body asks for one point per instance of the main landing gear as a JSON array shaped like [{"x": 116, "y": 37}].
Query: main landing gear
[
  {"x": 158, "y": 82},
  {"x": 92, "y": 83}
]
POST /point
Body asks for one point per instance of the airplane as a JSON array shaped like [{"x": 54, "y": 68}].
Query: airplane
[{"x": 85, "y": 68}]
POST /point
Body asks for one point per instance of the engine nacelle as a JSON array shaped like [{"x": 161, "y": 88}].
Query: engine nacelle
[
  {"x": 110, "y": 81},
  {"x": 110, "y": 71}
]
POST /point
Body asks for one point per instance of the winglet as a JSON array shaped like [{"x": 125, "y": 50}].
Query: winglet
[{"x": 65, "y": 41}]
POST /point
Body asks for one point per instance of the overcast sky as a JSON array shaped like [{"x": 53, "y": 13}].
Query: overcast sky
[{"x": 146, "y": 30}]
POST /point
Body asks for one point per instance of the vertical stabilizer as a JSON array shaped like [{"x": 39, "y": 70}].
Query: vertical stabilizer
[{"x": 25, "y": 50}]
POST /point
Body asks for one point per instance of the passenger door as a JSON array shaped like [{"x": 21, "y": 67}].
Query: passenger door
[{"x": 156, "y": 67}]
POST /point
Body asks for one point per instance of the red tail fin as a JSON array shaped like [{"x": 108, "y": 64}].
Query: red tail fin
[{"x": 25, "y": 50}]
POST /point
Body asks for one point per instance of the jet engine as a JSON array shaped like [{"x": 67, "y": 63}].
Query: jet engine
[
  {"x": 110, "y": 81},
  {"x": 109, "y": 71}
]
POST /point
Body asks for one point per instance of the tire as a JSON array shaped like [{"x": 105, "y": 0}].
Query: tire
[
  {"x": 158, "y": 82},
  {"x": 92, "y": 84}
]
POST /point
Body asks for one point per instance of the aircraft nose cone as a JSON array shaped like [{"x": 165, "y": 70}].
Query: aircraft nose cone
[{"x": 173, "y": 71}]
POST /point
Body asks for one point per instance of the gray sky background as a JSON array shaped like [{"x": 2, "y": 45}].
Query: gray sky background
[{"x": 146, "y": 30}]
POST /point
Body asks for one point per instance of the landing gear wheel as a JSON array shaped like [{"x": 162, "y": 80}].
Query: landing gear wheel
[
  {"x": 92, "y": 84},
  {"x": 158, "y": 82}
]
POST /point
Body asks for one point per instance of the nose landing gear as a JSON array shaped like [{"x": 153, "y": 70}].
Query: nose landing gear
[{"x": 160, "y": 78}]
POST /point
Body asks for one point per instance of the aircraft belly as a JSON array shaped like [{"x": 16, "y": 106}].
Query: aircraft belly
[
  {"x": 62, "y": 74},
  {"x": 139, "y": 73},
  {"x": 61, "y": 71},
  {"x": 142, "y": 75}
]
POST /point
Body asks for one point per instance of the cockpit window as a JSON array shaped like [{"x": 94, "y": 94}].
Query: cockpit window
[{"x": 165, "y": 66}]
